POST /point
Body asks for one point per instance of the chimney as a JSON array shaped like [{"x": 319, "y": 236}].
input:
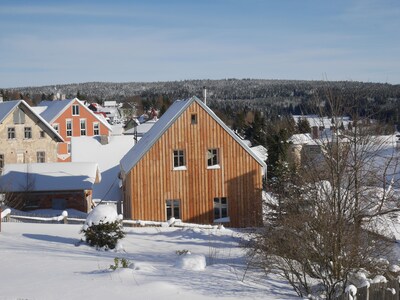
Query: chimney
[{"x": 205, "y": 95}]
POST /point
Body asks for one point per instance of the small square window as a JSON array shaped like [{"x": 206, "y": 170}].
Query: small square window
[
  {"x": 42, "y": 134},
  {"x": 193, "y": 119}
]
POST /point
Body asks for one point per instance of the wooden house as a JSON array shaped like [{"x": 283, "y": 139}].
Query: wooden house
[
  {"x": 71, "y": 118},
  {"x": 25, "y": 136},
  {"x": 50, "y": 185},
  {"x": 191, "y": 166}
]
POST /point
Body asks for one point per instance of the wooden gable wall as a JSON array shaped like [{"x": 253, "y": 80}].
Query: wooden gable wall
[{"x": 153, "y": 179}]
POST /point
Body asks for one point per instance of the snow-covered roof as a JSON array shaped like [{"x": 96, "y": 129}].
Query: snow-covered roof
[
  {"x": 53, "y": 109},
  {"x": 8, "y": 107},
  {"x": 325, "y": 122},
  {"x": 142, "y": 128},
  {"x": 260, "y": 151},
  {"x": 164, "y": 123},
  {"x": 49, "y": 177},
  {"x": 108, "y": 156},
  {"x": 302, "y": 139}
]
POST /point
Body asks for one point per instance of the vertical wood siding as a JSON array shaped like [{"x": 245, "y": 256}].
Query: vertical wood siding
[{"x": 153, "y": 181}]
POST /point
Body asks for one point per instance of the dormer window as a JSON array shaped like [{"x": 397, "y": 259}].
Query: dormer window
[{"x": 193, "y": 119}]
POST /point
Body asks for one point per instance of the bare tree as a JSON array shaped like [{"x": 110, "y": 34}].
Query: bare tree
[{"x": 325, "y": 225}]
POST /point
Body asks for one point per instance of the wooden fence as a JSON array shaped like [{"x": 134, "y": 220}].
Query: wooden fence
[{"x": 376, "y": 291}]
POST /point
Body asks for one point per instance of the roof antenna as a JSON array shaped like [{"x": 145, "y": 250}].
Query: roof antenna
[{"x": 205, "y": 95}]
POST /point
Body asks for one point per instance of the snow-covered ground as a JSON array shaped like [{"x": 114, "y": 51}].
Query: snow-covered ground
[{"x": 42, "y": 261}]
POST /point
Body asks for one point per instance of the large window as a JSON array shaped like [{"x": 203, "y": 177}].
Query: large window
[
  {"x": 83, "y": 126},
  {"x": 75, "y": 110},
  {"x": 212, "y": 157},
  {"x": 28, "y": 132},
  {"x": 69, "y": 127},
  {"x": 11, "y": 133},
  {"x": 179, "y": 158},
  {"x": 173, "y": 209},
  {"x": 41, "y": 156},
  {"x": 19, "y": 116},
  {"x": 96, "y": 128},
  {"x": 220, "y": 208}
]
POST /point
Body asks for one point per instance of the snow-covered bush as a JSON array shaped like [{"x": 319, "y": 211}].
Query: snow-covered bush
[{"x": 103, "y": 227}]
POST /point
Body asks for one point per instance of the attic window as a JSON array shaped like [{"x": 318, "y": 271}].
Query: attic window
[
  {"x": 75, "y": 110},
  {"x": 193, "y": 119}
]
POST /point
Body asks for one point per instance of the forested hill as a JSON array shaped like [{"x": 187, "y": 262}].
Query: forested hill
[{"x": 277, "y": 96}]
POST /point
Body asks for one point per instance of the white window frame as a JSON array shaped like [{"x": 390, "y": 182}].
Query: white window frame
[
  {"x": 172, "y": 204},
  {"x": 82, "y": 129},
  {"x": 27, "y": 133},
  {"x": 221, "y": 209},
  {"x": 69, "y": 121},
  {"x": 213, "y": 158},
  {"x": 11, "y": 133},
  {"x": 41, "y": 156},
  {"x": 75, "y": 109},
  {"x": 96, "y": 128},
  {"x": 179, "y": 159}
]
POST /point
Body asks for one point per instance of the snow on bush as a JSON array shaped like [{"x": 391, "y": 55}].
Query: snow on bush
[
  {"x": 195, "y": 262},
  {"x": 352, "y": 291},
  {"x": 103, "y": 228},
  {"x": 394, "y": 268},
  {"x": 379, "y": 279}
]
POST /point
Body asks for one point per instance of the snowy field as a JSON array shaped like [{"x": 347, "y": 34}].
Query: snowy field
[{"x": 42, "y": 261}]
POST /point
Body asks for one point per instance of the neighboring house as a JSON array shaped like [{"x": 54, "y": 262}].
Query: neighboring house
[
  {"x": 302, "y": 148},
  {"x": 128, "y": 110},
  {"x": 25, "y": 136},
  {"x": 50, "y": 185},
  {"x": 71, "y": 118},
  {"x": 191, "y": 166},
  {"x": 140, "y": 129}
]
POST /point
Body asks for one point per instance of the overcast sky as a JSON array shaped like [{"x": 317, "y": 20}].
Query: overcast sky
[{"x": 56, "y": 42}]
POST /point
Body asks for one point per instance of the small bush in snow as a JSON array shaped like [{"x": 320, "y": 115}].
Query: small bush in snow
[
  {"x": 119, "y": 263},
  {"x": 182, "y": 252},
  {"x": 104, "y": 234}
]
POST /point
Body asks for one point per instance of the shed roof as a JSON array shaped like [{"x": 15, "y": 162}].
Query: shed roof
[
  {"x": 164, "y": 123},
  {"x": 49, "y": 177}
]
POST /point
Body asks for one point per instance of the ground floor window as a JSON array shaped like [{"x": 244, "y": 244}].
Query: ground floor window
[
  {"x": 41, "y": 156},
  {"x": 220, "y": 208},
  {"x": 173, "y": 208}
]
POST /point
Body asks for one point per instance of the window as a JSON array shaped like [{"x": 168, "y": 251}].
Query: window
[
  {"x": 56, "y": 127},
  {"x": 173, "y": 209},
  {"x": 69, "y": 148},
  {"x": 83, "y": 126},
  {"x": 96, "y": 128},
  {"x": 69, "y": 127},
  {"x": 212, "y": 157},
  {"x": 41, "y": 156},
  {"x": 193, "y": 119},
  {"x": 42, "y": 134},
  {"x": 220, "y": 208},
  {"x": 11, "y": 133},
  {"x": 19, "y": 116},
  {"x": 179, "y": 158},
  {"x": 28, "y": 132},
  {"x": 1, "y": 161},
  {"x": 75, "y": 110}
]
